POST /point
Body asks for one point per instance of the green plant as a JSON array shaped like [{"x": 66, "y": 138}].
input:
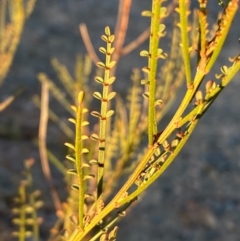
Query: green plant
[
  {"x": 101, "y": 156},
  {"x": 13, "y": 14},
  {"x": 27, "y": 205}
]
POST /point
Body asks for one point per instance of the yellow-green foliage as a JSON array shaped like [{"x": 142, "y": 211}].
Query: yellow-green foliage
[
  {"x": 100, "y": 155},
  {"x": 27, "y": 205},
  {"x": 10, "y": 31}
]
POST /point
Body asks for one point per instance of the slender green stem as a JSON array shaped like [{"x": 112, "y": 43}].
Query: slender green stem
[
  {"x": 104, "y": 128},
  {"x": 34, "y": 217},
  {"x": 183, "y": 11},
  {"x": 114, "y": 202},
  {"x": 22, "y": 216},
  {"x": 79, "y": 161},
  {"x": 103, "y": 123},
  {"x": 162, "y": 169},
  {"x": 152, "y": 66},
  {"x": 184, "y": 104}
]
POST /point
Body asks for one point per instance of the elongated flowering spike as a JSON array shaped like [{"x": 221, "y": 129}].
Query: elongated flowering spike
[
  {"x": 104, "y": 96},
  {"x": 26, "y": 218},
  {"x": 77, "y": 158},
  {"x": 157, "y": 31}
]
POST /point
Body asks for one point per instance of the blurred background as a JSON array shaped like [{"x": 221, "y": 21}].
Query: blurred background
[{"x": 196, "y": 199}]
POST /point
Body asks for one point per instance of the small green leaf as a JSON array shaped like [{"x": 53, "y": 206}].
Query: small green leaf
[
  {"x": 85, "y": 123},
  {"x": 84, "y": 165},
  {"x": 111, "y": 38},
  {"x": 80, "y": 97},
  {"x": 85, "y": 110},
  {"x": 161, "y": 31},
  {"x": 111, "y": 50},
  {"x": 144, "y": 53},
  {"x": 111, "y": 80},
  {"x": 159, "y": 51},
  {"x": 111, "y": 95},
  {"x": 157, "y": 152},
  {"x": 165, "y": 144},
  {"x": 147, "y": 14},
  {"x": 161, "y": 54},
  {"x": 38, "y": 204},
  {"x": 96, "y": 114},
  {"x": 219, "y": 76},
  {"x": 101, "y": 65},
  {"x": 224, "y": 69},
  {"x": 146, "y": 95},
  {"x": 109, "y": 113},
  {"x": 84, "y": 151},
  {"x": 163, "y": 12},
  {"x": 71, "y": 146},
  {"x": 87, "y": 177},
  {"x": 95, "y": 137},
  {"x": 102, "y": 50},
  {"x": 112, "y": 64},
  {"x": 107, "y": 31},
  {"x": 70, "y": 158},
  {"x": 72, "y": 172},
  {"x": 75, "y": 187},
  {"x": 74, "y": 108},
  {"x": 214, "y": 85},
  {"x": 97, "y": 95},
  {"x": 104, "y": 38},
  {"x": 30, "y": 221},
  {"x": 113, "y": 234},
  {"x": 208, "y": 85},
  {"x": 146, "y": 70},
  {"x": 89, "y": 195},
  {"x": 99, "y": 79},
  {"x": 199, "y": 95},
  {"x": 84, "y": 137},
  {"x": 144, "y": 82},
  {"x": 29, "y": 209},
  {"x": 158, "y": 102},
  {"x": 16, "y": 221},
  {"x": 103, "y": 237},
  {"x": 93, "y": 162},
  {"x": 72, "y": 120},
  {"x": 174, "y": 143},
  {"x": 122, "y": 214}
]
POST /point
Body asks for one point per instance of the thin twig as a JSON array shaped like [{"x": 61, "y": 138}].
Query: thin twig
[
  {"x": 42, "y": 144},
  {"x": 88, "y": 43},
  {"x": 121, "y": 27},
  {"x": 10, "y": 99}
]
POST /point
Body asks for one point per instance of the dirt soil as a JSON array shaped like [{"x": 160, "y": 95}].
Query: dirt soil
[{"x": 197, "y": 198}]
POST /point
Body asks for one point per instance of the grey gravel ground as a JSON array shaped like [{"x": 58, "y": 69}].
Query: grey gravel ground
[{"x": 198, "y": 197}]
